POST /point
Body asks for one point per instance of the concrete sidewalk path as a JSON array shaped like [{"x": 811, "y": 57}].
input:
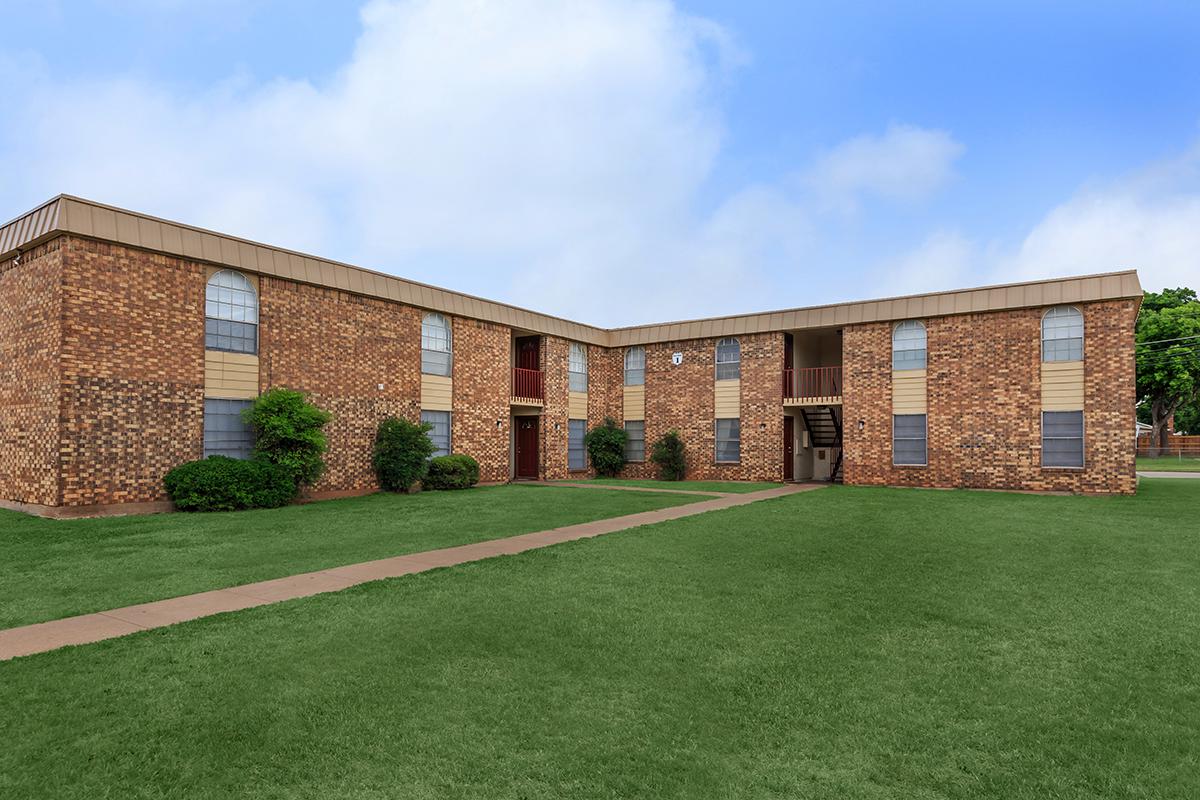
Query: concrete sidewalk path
[
  {"x": 1142, "y": 474},
  {"x": 87, "y": 628}
]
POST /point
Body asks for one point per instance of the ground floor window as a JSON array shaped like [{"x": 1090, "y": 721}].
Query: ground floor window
[
  {"x": 635, "y": 440},
  {"x": 729, "y": 441},
  {"x": 225, "y": 434},
  {"x": 440, "y": 433},
  {"x": 1062, "y": 438},
  {"x": 576, "y": 454},
  {"x": 909, "y": 446}
]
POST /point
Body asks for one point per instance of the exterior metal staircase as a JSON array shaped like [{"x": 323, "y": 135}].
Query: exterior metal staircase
[{"x": 825, "y": 432}]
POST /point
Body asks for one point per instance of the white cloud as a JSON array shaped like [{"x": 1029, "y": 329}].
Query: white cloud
[
  {"x": 548, "y": 154},
  {"x": 905, "y": 162}
]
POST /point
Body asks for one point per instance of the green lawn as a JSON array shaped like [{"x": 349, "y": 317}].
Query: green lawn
[
  {"x": 731, "y": 487},
  {"x": 844, "y": 643},
  {"x": 56, "y": 568},
  {"x": 1169, "y": 464}
]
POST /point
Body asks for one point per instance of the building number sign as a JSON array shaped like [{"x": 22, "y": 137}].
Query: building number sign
[{"x": 677, "y": 358}]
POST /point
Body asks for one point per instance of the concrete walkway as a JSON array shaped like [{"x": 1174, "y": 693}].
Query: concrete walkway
[
  {"x": 101, "y": 625},
  {"x": 1168, "y": 474}
]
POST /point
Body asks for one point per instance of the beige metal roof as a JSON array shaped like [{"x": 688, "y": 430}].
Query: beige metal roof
[{"x": 71, "y": 215}]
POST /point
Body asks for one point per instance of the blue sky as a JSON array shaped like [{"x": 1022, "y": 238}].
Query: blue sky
[{"x": 622, "y": 162}]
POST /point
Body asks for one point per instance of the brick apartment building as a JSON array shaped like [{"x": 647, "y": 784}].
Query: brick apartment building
[{"x": 128, "y": 345}]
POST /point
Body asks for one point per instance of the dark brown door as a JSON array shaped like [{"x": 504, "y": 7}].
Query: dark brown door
[
  {"x": 789, "y": 448},
  {"x": 527, "y": 352},
  {"x": 527, "y": 447}
]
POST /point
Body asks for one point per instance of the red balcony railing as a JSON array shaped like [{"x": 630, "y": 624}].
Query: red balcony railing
[
  {"x": 811, "y": 382},
  {"x": 527, "y": 384}
]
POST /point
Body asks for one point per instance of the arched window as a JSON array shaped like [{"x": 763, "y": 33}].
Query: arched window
[
  {"x": 908, "y": 345},
  {"x": 435, "y": 345},
  {"x": 635, "y": 366},
  {"x": 577, "y": 368},
  {"x": 1062, "y": 334},
  {"x": 230, "y": 313},
  {"x": 729, "y": 360}
]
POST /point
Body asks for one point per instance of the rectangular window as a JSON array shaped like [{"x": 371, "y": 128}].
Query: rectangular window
[
  {"x": 729, "y": 441},
  {"x": 635, "y": 366},
  {"x": 1062, "y": 438},
  {"x": 577, "y": 368},
  {"x": 635, "y": 441},
  {"x": 224, "y": 432},
  {"x": 576, "y": 454},
  {"x": 440, "y": 433},
  {"x": 909, "y": 445},
  {"x": 230, "y": 336},
  {"x": 435, "y": 362}
]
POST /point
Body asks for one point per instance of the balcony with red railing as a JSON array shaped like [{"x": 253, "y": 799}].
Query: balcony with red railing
[
  {"x": 527, "y": 387},
  {"x": 812, "y": 386}
]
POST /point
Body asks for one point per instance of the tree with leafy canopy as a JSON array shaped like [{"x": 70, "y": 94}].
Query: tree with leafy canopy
[
  {"x": 288, "y": 431},
  {"x": 1168, "y": 357}
]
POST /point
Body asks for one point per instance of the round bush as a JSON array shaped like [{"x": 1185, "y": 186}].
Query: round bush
[
  {"x": 452, "y": 472},
  {"x": 606, "y": 447},
  {"x": 218, "y": 483},
  {"x": 669, "y": 456},
  {"x": 402, "y": 451}
]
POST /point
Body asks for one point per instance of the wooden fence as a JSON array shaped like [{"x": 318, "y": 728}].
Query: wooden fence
[{"x": 1176, "y": 446}]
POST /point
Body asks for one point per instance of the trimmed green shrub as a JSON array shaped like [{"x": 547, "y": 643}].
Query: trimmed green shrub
[
  {"x": 401, "y": 455},
  {"x": 606, "y": 447},
  {"x": 220, "y": 483},
  {"x": 288, "y": 432},
  {"x": 452, "y": 472},
  {"x": 668, "y": 455}
]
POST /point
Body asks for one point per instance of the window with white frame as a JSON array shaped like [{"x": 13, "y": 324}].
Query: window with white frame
[
  {"x": 635, "y": 440},
  {"x": 439, "y": 434},
  {"x": 908, "y": 345},
  {"x": 577, "y": 368},
  {"x": 230, "y": 313},
  {"x": 635, "y": 366},
  {"x": 1062, "y": 334},
  {"x": 729, "y": 441},
  {"x": 225, "y": 433},
  {"x": 909, "y": 440},
  {"x": 576, "y": 453},
  {"x": 435, "y": 345},
  {"x": 1062, "y": 438},
  {"x": 729, "y": 360}
]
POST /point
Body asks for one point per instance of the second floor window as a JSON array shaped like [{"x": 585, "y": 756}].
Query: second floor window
[
  {"x": 1062, "y": 334},
  {"x": 435, "y": 345},
  {"x": 577, "y": 367},
  {"x": 908, "y": 345},
  {"x": 635, "y": 366},
  {"x": 230, "y": 313},
  {"x": 729, "y": 360}
]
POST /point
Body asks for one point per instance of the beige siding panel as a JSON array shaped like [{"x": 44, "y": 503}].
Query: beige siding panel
[
  {"x": 577, "y": 405},
  {"x": 1062, "y": 386},
  {"x": 909, "y": 391},
  {"x": 230, "y": 375},
  {"x": 634, "y": 403},
  {"x": 437, "y": 392},
  {"x": 727, "y": 399}
]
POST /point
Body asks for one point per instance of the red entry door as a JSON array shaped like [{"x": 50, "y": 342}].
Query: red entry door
[
  {"x": 527, "y": 447},
  {"x": 789, "y": 448}
]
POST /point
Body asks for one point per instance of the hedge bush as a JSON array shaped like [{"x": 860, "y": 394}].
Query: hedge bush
[
  {"x": 669, "y": 456},
  {"x": 452, "y": 472},
  {"x": 606, "y": 446},
  {"x": 288, "y": 432},
  {"x": 220, "y": 483},
  {"x": 401, "y": 455}
]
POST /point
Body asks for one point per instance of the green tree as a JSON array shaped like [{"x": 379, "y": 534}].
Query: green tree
[
  {"x": 1168, "y": 357},
  {"x": 288, "y": 431},
  {"x": 401, "y": 454},
  {"x": 606, "y": 446}
]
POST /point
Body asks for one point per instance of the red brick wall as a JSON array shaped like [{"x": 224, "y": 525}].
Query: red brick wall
[
  {"x": 132, "y": 371},
  {"x": 984, "y": 401},
  {"x": 340, "y": 348},
  {"x": 554, "y": 433},
  {"x": 30, "y": 341},
  {"x": 482, "y": 352}
]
